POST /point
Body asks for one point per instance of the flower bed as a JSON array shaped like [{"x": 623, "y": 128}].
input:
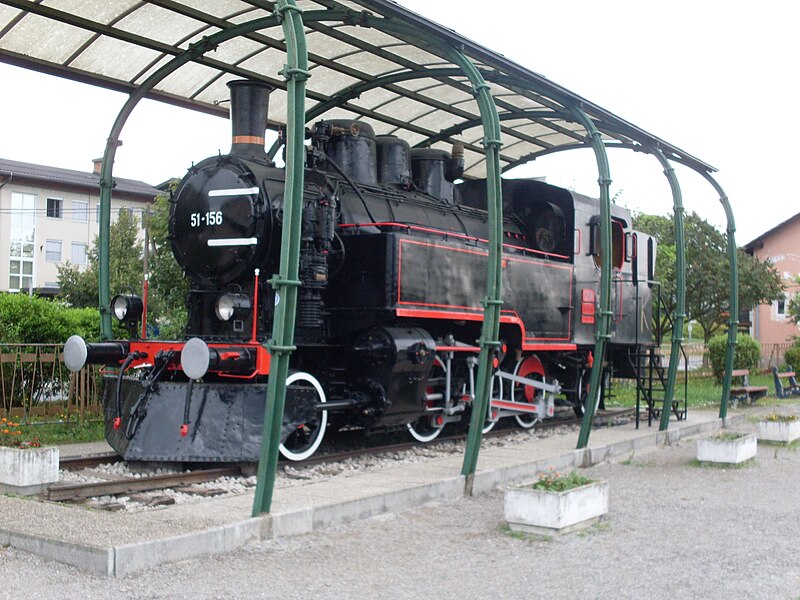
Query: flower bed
[
  {"x": 779, "y": 428},
  {"x": 25, "y": 467},
  {"x": 727, "y": 447},
  {"x": 556, "y": 504}
]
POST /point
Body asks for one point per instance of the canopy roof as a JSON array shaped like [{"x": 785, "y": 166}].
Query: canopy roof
[{"x": 427, "y": 101}]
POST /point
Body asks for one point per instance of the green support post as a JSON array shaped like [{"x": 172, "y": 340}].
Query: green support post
[
  {"x": 286, "y": 281},
  {"x": 680, "y": 292},
  {"x": 490, "y": 330},
  {"x": 733, "y": 299},
  {"x": 602, "y": 332},
  {"x": 104, "y": 250}
]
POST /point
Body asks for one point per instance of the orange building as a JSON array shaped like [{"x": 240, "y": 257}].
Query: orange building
[{"x": 770, "y": 324}]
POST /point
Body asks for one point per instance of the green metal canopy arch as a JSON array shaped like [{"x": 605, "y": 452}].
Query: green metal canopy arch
[{"x": 366, "y": 59}]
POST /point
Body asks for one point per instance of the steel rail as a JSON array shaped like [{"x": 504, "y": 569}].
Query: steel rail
[{"x": 81, "y": 491}]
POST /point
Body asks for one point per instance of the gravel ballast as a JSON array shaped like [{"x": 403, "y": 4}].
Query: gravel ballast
[{"x": 674, "y": 530}]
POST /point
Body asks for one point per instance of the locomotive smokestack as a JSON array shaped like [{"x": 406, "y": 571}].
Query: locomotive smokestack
[{"x": 249, "y": 101}]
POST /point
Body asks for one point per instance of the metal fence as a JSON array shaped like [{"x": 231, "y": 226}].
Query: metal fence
[
  {"x": 34, "y": 381},
  {"x": 773, "y": 355}
]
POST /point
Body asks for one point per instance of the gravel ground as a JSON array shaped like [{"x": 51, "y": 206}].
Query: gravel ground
[
  {"x": 294, "y": 475},
  {"x": 674, "y": 530}
]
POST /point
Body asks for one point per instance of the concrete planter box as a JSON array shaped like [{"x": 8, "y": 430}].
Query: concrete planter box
[
  {"x": 27, "y": 471},
  {"x": 544, "y": 512},
  {"x": 779, "y": 431},
  {"x": 727, "y": 451}
]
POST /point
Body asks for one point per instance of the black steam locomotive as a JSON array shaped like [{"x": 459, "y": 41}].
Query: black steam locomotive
[{"x": 392, "y": 272}]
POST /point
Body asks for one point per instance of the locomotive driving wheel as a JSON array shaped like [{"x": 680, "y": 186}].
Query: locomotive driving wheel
[
  {"x": 581, "y": 393},
  {"x": 530, "y": 368},
  {"x": 428, "y": 427},
  {"x": 580, "y": 398},
  {"x": 304, "y": 440}
]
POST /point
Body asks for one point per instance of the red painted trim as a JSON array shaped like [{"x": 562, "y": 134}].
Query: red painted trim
[
  {"x": 529, "y": 366},
  {"x": 432, "y": 305},
  {"x": 255, "y": 307},
  {"x": 518, "y": 406},
  {"x": 438, "y": 314},
  {"x": 551, "y": 347},
  {"x": 151, "y": 348},
  {"x": 145, "y": 288},
  {"x": 457, "y": 349}
]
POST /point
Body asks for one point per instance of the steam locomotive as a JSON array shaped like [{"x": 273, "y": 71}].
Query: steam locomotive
[{"x": 392, "y": 275}]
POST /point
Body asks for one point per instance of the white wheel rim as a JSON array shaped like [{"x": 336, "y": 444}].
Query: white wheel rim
[
  {"x": 423, "y": 437},
  {"x": 323, "y": 420},
  {"x": 433, "y": 435},
  {"x": 489, "y": 424}
]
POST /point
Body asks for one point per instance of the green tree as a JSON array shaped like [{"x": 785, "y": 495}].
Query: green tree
[
  {"x": 168, "y": 285},
  {"x": 166, "y": 309},
  {"x": 79, "y": 287},
  {"x": 793, "y": 306},
  {"x": 707, "y": 268}
]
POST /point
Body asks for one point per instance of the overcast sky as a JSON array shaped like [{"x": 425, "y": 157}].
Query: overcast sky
[{"x": 718, "y": 79}]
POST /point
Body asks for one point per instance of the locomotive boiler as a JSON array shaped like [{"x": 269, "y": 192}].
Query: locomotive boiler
[{"x": 392, "y": 274}]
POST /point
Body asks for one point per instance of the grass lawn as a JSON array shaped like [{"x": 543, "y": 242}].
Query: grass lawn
[{"x": 702, "y": 390}]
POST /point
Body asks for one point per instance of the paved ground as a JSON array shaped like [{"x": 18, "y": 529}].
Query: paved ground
[{"x": 675, "y": 530}]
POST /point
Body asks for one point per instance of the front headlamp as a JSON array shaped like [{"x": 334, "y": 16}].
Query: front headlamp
[
  {"x": 127, "y": 308},
  {"x": 230, "y": 306}
]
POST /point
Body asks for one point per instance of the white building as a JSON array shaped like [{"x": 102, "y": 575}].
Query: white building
[{"x": 49, "y": 216}]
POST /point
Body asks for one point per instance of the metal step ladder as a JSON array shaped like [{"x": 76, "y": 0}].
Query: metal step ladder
[{"x": 651, "y": 383}]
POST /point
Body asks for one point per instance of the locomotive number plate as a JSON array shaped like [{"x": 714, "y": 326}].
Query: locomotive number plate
[{"x": 208, "y": 218}]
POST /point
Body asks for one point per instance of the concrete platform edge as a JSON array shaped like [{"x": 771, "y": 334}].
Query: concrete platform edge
[
  {"x": 98, "y": 561},
  {"x": 121, "y": 560},
  {"x": 130, "y": 558}
]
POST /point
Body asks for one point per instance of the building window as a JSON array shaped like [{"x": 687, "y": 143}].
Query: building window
[
  {"x": 80, "y": 211},
  {"x": 53, "y": 251},
  {"x": 21, "y": 240},
  {"x": 97, "y": 212},
  {"x": 78, "y": 253},
  {"x": 127, "y": 210},
  {"x": 55, "y": 208}
]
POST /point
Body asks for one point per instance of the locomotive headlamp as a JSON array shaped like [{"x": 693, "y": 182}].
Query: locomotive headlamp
[
  {"x": 127, "y": 308},
  {"x": 232, "y": 305}
]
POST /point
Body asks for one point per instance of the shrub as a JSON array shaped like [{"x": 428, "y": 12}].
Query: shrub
[
  {"x": 792, "y": 358},
  {"x": 746, "y": 356},
  {"x": 32, "y": 320}
]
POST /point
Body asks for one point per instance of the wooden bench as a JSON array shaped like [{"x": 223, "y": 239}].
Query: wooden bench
[
  {"x": 746, "y": 392},
  {"x": 784, "y": 390}
]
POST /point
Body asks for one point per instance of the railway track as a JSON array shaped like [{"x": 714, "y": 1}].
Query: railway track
[
  {"x": 187, "y": 481},
  {"x": 128, "y": 485}
]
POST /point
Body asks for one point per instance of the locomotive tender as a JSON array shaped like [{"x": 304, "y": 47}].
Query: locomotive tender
[{"x": 392, "y": 276}]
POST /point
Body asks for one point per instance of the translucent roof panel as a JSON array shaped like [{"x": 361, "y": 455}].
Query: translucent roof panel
[{"x": 368, "y": 59}]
